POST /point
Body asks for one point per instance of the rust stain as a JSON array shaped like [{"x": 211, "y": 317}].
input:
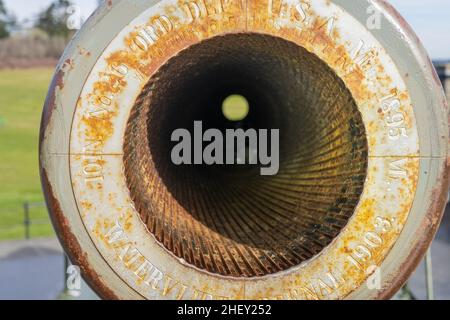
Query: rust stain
[
  {"x": 50, "y": 102},
  {"x": 77, "y": 255},
  {"x": 86, "y": 205},
  {"x": 427, "y": 234},
  {"x": 177, "y": 36}
]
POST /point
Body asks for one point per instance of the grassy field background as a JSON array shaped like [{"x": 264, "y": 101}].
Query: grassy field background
[{"x": 22, "y": 95}]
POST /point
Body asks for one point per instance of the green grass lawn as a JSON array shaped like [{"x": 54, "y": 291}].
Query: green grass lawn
[{"x": 22, "y": 95}]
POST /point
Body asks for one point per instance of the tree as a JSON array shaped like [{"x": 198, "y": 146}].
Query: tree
[
  {"x": 7, "y": 21},
  {"x": 53, "y": 20}
]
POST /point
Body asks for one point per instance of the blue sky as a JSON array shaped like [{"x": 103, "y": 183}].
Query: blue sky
[{"x": 429, "y": 18}]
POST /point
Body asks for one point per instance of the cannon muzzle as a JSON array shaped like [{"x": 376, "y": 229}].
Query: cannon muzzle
[{"x": 339, "y": 196}]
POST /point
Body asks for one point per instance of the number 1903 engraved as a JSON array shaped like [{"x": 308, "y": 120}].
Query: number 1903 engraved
[{"x": 362, "y": 254}]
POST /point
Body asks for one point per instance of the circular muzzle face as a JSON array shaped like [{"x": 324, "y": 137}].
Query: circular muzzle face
[{"x": 361, "y": 178}]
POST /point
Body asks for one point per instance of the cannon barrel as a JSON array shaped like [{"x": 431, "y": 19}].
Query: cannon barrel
[{"x": 362, "y": 177}]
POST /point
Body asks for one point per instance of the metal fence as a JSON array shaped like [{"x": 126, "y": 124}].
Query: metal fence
[
  {"x": 407, "y": 294},
  {"x": 27, "y": 221}
]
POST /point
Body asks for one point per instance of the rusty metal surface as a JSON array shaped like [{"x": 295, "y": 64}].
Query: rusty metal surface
[
  {"x": 102, "y": 197},
  {"x": 248, "y": 225}
]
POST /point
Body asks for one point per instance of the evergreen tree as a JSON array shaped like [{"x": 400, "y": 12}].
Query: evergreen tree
[
  {"x": 53, "y": 20},
  {"x": 7, "y": 21}
]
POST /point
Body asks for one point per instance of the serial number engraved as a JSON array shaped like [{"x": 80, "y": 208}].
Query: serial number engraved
[
  {"x": 361, "y": 255},
  {"x": 394, "y": 118}
]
